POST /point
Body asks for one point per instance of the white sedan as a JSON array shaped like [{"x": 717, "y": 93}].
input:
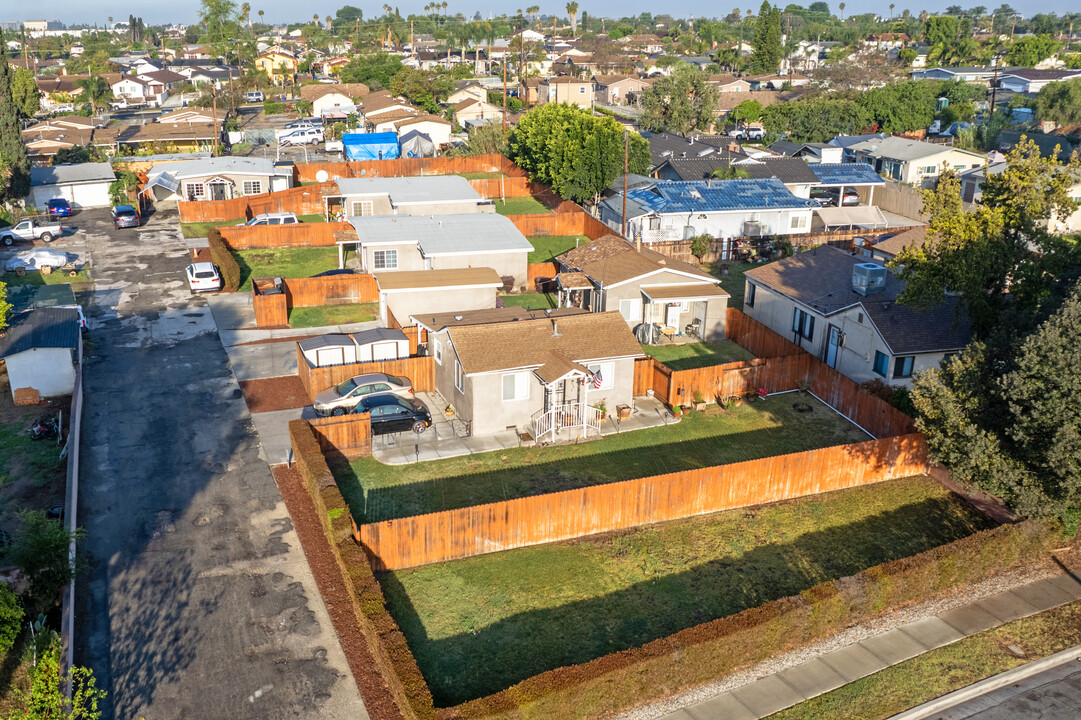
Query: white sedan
[{"x": 203, "y": 277}]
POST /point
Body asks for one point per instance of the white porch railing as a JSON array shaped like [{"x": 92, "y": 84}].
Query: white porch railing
[{"x": 569, "y": 416}]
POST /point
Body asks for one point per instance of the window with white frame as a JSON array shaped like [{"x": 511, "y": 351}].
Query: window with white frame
[
  {"x": 928, "y": 170},
  {"x": 753, "y": 217},
  {"x": 631, "y": 310},
  {"x": 606, "y": 371},
  {"x": 798, "y": 222},
  {"x": 459, "y": 377},
  {"x": 748, "y": 296},
  {"x": 437, "y": 350},
  {"x": 516, "y": 386},
  {"x": 385, "y": 259},
  {"x": 803, "y": 324},
  {"x": 194, "y": 191},
  {"x": 362, "y": 208},
  {"x": 654, "y": 223},
  {"x": 253, "y": 187}
]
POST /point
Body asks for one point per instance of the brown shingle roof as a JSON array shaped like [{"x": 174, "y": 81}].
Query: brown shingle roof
[
  {"x": 427, "y": 279},
  {"x": 534, "y": 343},
  {"x": 894, "y": 245},
  {"x": 611, "y": 259},
  {"x": 438, "y": 321},
  {"x": 311, "y": 93},
  {"x": 421, "y": 118}
]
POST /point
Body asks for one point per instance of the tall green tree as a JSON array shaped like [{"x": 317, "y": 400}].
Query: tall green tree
[
  {"x": 681, "y": 103},
  {"x": 96, "y": 90},
  {"x": 1028, "y": 51},
  {"x": 768, "y": 49},
  {"x": 24, "y": 92},
  {"x": 576, "y": 153},
  {"x": 14, "y": 162},
  {"x": 1060, "y": 102}
]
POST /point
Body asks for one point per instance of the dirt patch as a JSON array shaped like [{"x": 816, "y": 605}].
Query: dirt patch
[
  {"x": 201, "y": 255},
  {"x": 278, "y": 393},
  {"x": 328, "y": 576}
]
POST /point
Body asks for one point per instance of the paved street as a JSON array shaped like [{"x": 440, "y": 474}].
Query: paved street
[{"x": 198, "y": 602}]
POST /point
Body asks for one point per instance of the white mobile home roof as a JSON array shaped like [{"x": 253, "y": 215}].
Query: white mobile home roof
[
  {"x": 434, "y": 189},
  {"x": 69, "y": 174},
  {"x": 443, "y": 234},
  {"x": 214, "y": 166}
]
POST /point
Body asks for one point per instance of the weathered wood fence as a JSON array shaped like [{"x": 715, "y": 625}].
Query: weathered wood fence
[
  {"x": 574, "y": 221},
  {"x": 409, "y": 167},
  {"x": 273, "y": 310},
  {"x": 346, "y": 437},
  {"x": 419, "y": 370},
  {"x": 303, "y": 200},
  {"x": 262, "y": 237},
  {"x": 453, "y": 534}
]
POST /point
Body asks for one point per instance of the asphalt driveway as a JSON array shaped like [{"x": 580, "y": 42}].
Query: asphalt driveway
[{"x": 198, "y": 602}]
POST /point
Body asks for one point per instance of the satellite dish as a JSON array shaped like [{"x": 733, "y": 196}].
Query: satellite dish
[{"x": 322, "y": 176}]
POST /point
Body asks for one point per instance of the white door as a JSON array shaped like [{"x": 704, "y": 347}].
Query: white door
[
  {"x": 671, "y": 316},
  {"x": 385, "y": 351},
  {"x": 329, "y": 356},
  {"x": 832, "y": 346}
]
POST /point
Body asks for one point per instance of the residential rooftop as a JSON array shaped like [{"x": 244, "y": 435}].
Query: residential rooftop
[
  {"x": 407, "y": 190},
  {"x": 443, "y": 234},
  {"x": 74, "y": 173},
  {"x": 718, "y": 196}
]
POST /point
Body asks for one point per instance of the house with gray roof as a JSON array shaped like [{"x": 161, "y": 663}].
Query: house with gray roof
[
  {"x": 796, "y": 175},
  {"x": 913, "y": 162},
  {"x": 394, "y": 243},
  {"x": 39, "y": 349},
  {"x": 430, "y": 195},
  {"x": 671, "y": 211},
  {"x": 216, "y": 178},
  {"x": 843, "y": 308},
  {"x": 81, "y": 184}
]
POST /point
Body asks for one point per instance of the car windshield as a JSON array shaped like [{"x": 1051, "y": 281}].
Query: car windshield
[
  {"x": 346, "y": 387},
  {"x": 397, "y": 380}
]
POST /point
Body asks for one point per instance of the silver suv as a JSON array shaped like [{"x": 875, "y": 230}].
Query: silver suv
[
  {"x": 345, "y": 396},
  {"x": 282, "y": 218}
]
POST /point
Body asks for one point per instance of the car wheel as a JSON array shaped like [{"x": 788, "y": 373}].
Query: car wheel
[
  {"x": 8, "y": 240},
  {"x": 338, "y": 411},
  {"x": 46, "y": 237},
  {"x": 419, "y": 427}
]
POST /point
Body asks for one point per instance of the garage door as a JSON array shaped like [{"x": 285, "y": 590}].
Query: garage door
[
  {"x": 330, "y": 356},
  {"x": 385, "y": 351},
  {"x": 91, "y": 195}
]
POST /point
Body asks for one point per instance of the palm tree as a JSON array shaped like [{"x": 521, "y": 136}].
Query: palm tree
[
  {"x": 261, "y": 12},
  {"x": 110, "y": 22},
  {"x": 891, "y": 11},
  {"x": 315, "y": 19},
  {"x": 842, "y": 8},
  {"x": 572, "y": 13},
  {"x": 330, "y": 23},
  {"x": 96, "y": 90},
  {"x": 533, "y": 11}
]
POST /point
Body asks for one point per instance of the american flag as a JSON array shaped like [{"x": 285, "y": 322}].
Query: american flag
[{"x": 597, "y": 381}]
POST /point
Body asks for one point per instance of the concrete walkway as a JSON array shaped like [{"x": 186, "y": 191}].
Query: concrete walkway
[{"x": 774, "y": 693}]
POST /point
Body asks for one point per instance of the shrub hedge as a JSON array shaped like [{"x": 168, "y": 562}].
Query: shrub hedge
[
  {"x": 702, "y": 653},
  {"x": 392, "y": 655},
  {"x": 227, "y": 264}
]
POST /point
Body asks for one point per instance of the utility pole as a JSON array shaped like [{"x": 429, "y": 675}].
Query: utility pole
[
  {"x": 356, "y": 38},
  {"x": 412, "y": 44},
  {"x": 994, "y": 87},
  {"x": 1013, "y": 26},
  {"x": 216, "y": 130},
  {"x": 504, "y": 95},
  {"x": 626, "y": 142}
]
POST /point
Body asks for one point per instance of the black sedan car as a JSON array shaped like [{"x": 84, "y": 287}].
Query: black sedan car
[{"x": 391, "y": 414}]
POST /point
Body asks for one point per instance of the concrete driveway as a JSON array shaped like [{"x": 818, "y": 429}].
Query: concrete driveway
[{"x": 198, "y": 602}]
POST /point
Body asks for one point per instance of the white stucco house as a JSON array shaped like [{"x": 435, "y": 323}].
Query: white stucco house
[{"x": 39, "y": 350}]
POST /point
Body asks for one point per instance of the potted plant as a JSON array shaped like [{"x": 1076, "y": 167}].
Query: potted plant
[
  {"x": 762, "y": 393},
  {"x": 699, "y": 401},
  {"x": 603, "y": 408},
  {"x": 677, "y": 411},
  {"x": 449, "y": 412}
]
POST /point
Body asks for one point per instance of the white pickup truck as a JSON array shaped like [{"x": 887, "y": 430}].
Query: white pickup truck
[{"x": 29, "y": 230}]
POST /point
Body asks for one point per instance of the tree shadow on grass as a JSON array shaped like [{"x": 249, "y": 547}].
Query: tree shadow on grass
[{"x": 482, "y": 660}]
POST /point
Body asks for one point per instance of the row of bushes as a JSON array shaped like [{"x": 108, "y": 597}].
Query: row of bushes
[
  {"x": 223, "y": 258},
  {"x": 718, "y": 648},
  {"x": 392, "y": 655}
]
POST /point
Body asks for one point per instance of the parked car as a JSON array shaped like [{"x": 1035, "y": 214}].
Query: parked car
[
  {"x": 345, "y": 396},
  {"x": 827, "y": 196},
  {"x": 282, "y": 218},
  {"x": 254, "y": 96},
  {"x": 312, "y": 122},
  {"x": 29, "y": 230},
  {"x": 39, "y": 258},
  {"x": 302, "y": 136},
  {"x": 391, "y": 414},
  {"x": 126, "y": 216},
  {"x": 334, "y": 146},
  {"x": 58, "y": 207},
  {"x": 203, "y": 277}
]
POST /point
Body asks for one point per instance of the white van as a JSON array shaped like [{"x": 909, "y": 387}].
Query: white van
[{"x": 254, "y": 96}]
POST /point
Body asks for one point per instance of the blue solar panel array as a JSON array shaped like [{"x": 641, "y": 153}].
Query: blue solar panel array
[
  {"x": 846, "y": 174},
  {"x": 718, "y": 195}
]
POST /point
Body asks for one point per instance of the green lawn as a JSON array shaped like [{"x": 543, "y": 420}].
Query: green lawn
[
  {"x": 284, "y": 262},
  {"x": 200, "y": 229},
  {"x": 733, "y": 282},
  {"x": 479, "y": 625},
  {"x": 483, "y": 175},
  {"x": 545, "y": 248},
  {"x": 24, "y": 459},
  {"x": 941, "y": 671},
  {"x": 520, "y": 206},
  {"x": 533, "y": 301},
  {"x": 80, "y": 282},
  {"x": 332, "y": 315},
  {"x": 751, "y": 430},
  {"x": 695, "y": 355}
]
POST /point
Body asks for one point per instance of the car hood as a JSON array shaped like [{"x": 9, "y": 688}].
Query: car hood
[{"x": 326, "y": 397}]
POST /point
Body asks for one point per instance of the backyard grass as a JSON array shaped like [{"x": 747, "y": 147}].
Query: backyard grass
[
  {"x": 284, "y": 262},
  {"x": 306, "y": 317},
  {"x": 520, "y": 206},
  {"x": 935, "y": 673},
  {"x": 749, "y": 431},
  {"x": 483, "y": 175},
  {"x": 481, "y": 624},
  {"x": 200, "y": 229},
  {"x": 545, "y": 248},
  {"x": 80, "y": 282},
  {"x": 532, "y": 301},
  {"x": 733, "y": 282},
  {"x": 695, "y": 355}
]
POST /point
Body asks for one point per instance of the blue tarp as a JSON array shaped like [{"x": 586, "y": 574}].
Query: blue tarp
[{"x": 370, "y": 146}]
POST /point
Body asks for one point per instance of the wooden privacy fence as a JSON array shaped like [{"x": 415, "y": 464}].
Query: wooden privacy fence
[
  {"x": 304, "y": 200},
  {"x": 407, "y": 167},
  {"x": 502, "y": 187},
  {"x": 573, "y": 222},
  {"x": 346, "y": 437},
  {"x": 272, "y": 310},
  {"x": 419, "y": 370},
  {"x": 536, "y": 270},
  {"x": 260, "y": 237},
  {"x": 756, "y": 338},
  {"x": 453, "y": 534}
]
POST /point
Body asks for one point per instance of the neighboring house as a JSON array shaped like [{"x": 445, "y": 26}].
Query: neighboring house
[
  {"x": 666, "y": 146},
  {"x": 43, "y": 139},
  {"x": 981, "y": 75},
  {"x": 339, "y": 99},
  {"x": 809, "y": 152},
  {"x": 467, "y": 90},
  {"x": 843, "y": 309},
  {"x": 729, "y": 83},
  {"x": 886, "y": 250},
  {"x": 422, "y": 292},
  {"x": 38, "y": 349},
  {"x": 847, "y": 175},
  {"x": 913, "y": 162},
  {"x": 333, "y": 105},
  {"x": 609, "y": 274},
  {"x": 671, "y": 211},
  {"x": 279, "y": 64},
  {"x": 406, "y": 243},
  {"x": 796, "y": 175},
  {"x": 426, "y": 195},
  {"x": 566, "y": 90},
  {"x": 435, "y": 128},
  {"x": 519, "y": 375},
  {"x": 476, "y": 112},
  {"x": 161, "y": 81},
  {"x": 131, "y": 90},
  {"x": 845, "y": 142},
  {"x": 619, "y": 89},
  {"x": 199, "y": 116},
  {"x": 84, "y": 185},
  {"x": 174, "y": 137},
  {"x": 379, "y": 108},
  {"x": 972, "y": 180},
  {"x": 366, "y": 346},
  {"x": 220, "y": 178},
  {"x": 1027, "y": 80},
  {"x": 650, "y": 44},
  {"x": 529, "y": 90}
]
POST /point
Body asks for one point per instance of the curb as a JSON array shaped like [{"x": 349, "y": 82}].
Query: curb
[{"x": 990, "y": 684}]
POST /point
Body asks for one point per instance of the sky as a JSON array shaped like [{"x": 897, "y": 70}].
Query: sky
[{"x": 156, "y": 12}]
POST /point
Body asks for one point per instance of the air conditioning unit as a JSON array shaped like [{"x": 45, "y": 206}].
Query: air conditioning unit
[
  {"x": 688, "y": 232},
  {"x": 868, "y": 278},
  {"x": 752, "y": 228}
]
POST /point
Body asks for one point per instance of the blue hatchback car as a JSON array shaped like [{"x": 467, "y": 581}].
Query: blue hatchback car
[{"x": 58, "y": 207}]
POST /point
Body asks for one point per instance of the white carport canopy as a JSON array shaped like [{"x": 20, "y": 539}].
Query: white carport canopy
[
  {"x": 683, "y": 293},
  {"x": 863, "y": 216}
]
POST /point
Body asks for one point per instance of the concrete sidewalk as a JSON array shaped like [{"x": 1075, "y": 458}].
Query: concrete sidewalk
[{"x": 789, "y": 687}]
